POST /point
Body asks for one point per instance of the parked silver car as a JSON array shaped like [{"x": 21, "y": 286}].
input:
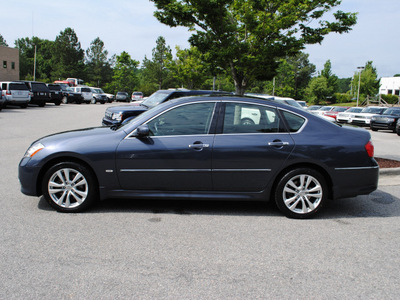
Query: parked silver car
[{"x": 15, "y": 93}]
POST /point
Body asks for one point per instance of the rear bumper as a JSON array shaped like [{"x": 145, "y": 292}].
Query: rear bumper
[{"x": 355, "y": 181}]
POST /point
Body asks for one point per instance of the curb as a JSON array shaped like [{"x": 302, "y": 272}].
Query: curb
[{"x": 389, "y": 171}]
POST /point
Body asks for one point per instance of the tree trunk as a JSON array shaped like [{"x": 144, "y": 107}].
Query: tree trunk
[{"x": 240, "y": 81}]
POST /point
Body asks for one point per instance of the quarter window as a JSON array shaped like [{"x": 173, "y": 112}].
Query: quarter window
[
  {"x": 250, "y": 118},
  {"x": 295, "y": 122},
  {"x": 191, "y": 119},
  {"x": 4, "y": 64}
]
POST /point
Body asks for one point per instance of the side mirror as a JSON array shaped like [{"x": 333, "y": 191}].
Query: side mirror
[{"x": 142, "y": 131}]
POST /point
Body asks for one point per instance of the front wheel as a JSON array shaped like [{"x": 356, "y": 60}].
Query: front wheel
[
  {"x": 69, "y": 187},
  {"x": 301, "y": 193}
]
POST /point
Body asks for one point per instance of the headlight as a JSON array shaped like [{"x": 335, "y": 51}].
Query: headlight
[
  {"x": 373, "y": 118},
  {"x": 33, "y": 150},
  {"x": 117, "y": 116},
  {"x": 390, "y": 120}
]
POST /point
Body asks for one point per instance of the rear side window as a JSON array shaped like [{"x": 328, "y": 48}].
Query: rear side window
[
  {"x": 294, "y": 122},
  {"x": 251, "y": 118},
  {"x": 40, "y": 87},
  {"x": 17, "y": 87}
]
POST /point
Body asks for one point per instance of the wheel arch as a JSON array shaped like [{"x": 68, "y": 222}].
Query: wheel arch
[
  {"x": 57, "y": 160},
  {"x": 315, "y": 167}
]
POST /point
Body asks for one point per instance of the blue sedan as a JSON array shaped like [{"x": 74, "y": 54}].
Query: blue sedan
[{"x": 216, "y": 147}]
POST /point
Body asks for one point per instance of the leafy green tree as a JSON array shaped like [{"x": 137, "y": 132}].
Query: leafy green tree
[
  {"x": 344, "y": 85},
  {"x": 318, "y": 90},
  {"x": 332, "y": 79},
  {"x": 68, "y": 56},
  {"x": 3, "y": 41},
  {"x": 98, "y": 66},
  {"x": 292, "y": 76},
  {"x": 369, "y": 83},
  {"x": 247, "y": 37},
  {"x": 155, "y": 70},
  {"x": 44, "y": 55},
  {"x": 189, "y": 68},
  {"x": 124, "y": 78}
]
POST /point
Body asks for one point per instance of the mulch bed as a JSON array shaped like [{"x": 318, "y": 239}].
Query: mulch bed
[{"x": 387, "y": 163}]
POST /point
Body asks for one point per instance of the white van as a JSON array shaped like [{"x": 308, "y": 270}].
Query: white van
[
  {"x": 15, "y": 93},
  {"x": 86, "y": 92}
]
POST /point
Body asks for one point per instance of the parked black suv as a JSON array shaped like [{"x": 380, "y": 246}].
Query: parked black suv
[
  {"x": 115, "y": 115},
  {"x": 40, "y": 93},
  {"x": 387, "y": 120},
  {"x": 56, "y": 93}
]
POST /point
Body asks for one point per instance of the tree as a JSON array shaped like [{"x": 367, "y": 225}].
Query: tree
[
  {"x": 44, "y": 54},
  {"x": 3, "y": 41},
  {"x": 331, "y": 79},
  {"x": 247, "y": 37},
  {"x": 369, "y": 83},
  {"x": 318, "y": 89},
  {"x": 68, "y": 56},
  {"x": 155, "y": 70},
  {"x": 98, "y": 66},
  {"x": 189, "y": 68},
  {"x": 292, "y": 76},
  {"x": 124, "y": 78}
]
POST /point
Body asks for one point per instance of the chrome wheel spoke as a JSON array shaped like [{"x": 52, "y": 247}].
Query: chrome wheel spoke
[
  {"x": 302, "y": 194},
  {"x": 68, "y": 188}
]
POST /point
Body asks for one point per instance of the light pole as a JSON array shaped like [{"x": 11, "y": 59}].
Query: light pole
[{"x": 359, "y": 82}]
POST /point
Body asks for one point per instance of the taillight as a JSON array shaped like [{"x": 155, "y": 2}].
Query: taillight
[
  {"x": 369, "y": 147},
  {"x": 8, "y": 92}
]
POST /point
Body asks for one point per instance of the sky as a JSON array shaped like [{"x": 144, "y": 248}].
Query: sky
[{"x": 129, "y": 25}]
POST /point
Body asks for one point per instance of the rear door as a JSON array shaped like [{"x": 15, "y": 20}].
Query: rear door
[{"x": 250, "y": 149}]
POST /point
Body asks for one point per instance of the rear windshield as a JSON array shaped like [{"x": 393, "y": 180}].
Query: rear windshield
[
  {"x": 18, "y": 87},
  {"x": 41, "y": 87},
  {"x": 85, "y": 90},
  {"x": 54, "y": 87}
]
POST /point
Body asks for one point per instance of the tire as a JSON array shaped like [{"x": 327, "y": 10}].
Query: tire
[
  {"x": 69, "y": 187},
  {"x": 301, "y": 193},
  {"x": 57, "y": 102},
  {"x": 42, "y": 103},
  {"x": 246, "y": 121},
  {"x": 373, "y": 129},
  {"x": 25, "y": 105},
  {"x": 102, "y": 102},
  {"x": 398, "y": 132}
]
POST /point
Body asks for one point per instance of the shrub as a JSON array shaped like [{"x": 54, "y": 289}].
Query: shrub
[{"x": 391, "y": 99}]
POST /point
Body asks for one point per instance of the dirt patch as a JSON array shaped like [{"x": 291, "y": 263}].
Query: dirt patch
[{"x": 387, "y": 163}]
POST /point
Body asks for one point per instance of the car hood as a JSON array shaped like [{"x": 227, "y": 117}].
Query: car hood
[
  {"x": 387, "y": 116},
  {"x": 85, "y": 135},
  {"x": 130, "y": 107}
]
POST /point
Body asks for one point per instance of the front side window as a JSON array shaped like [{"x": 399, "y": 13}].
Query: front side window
[
  {"x": 190, "y": 119},
  {"x": 250, "y": 118},
  {"x": 4, "y": 64}
]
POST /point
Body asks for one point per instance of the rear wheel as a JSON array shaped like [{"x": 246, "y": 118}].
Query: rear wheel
[
  {"x": 42, "y": 103},
  {"x": 69, "y": 187},
  {"x": 301, "y": 193},
  {"x": 373, "y": 129}
]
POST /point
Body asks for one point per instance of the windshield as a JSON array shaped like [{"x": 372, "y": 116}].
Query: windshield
[
  {"x": 339, "y": 109},
  {"x": 156, "y": 98},
  {"x": 373, "y": 110},
  {"x": 354, "y": 109},
  {"x": 325, "y": 108},
  {"x": 392, "y": 111},
  {"x": 314, "y": 107}
]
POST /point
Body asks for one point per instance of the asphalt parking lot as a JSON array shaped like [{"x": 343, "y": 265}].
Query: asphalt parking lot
[{"x": 188, "y": 250}]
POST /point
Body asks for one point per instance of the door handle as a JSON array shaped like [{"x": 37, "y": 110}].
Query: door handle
[
  {"x": 198, "y": 146},
  {"x": 278, "y": 143}
]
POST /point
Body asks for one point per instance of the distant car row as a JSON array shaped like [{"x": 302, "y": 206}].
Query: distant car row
[
  {"x": 375, "y": 117},
  {"x": 22, "y": 93}
]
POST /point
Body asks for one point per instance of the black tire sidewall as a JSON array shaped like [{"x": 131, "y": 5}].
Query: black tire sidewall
[
  {"x": 87, "y": 173},
  {"x": 288, "y": 176}
]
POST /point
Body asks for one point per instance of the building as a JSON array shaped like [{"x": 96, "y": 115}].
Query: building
[
  {"x": 389, "y": 86},
  {"x": 9, "y": 68}
]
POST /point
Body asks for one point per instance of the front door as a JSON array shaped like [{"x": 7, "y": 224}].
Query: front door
[{"x": 175, "y": 157}]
